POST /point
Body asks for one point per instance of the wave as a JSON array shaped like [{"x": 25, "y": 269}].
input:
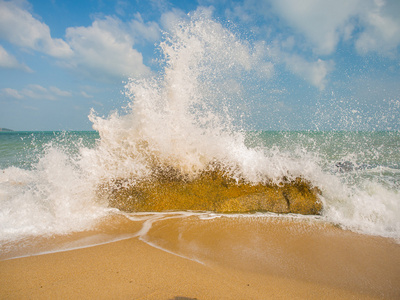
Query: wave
[{"x": 179, "y": 144}]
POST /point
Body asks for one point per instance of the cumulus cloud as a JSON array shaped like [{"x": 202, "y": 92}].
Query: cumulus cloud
[
  {"x": 9, "y": 61},
  {"x": 321, "y": 22},
  {"x": 103, "y": 50},
  {"x": 36, "y": 91},
  {"x": 382, "y": 28},
  {"x": 106, "y": 48},
  {"x": 320, "y": 26},
  {"x": 19, "y": 27},
  {"x": 373, "y": 25}
]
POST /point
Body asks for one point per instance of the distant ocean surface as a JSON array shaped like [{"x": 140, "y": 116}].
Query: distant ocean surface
[{"x": 23, "y": 149}]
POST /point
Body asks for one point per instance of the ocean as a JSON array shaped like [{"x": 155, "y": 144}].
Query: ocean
[
  {"x": 178, "y": 140},
  {"x": 48, "y": 180}
]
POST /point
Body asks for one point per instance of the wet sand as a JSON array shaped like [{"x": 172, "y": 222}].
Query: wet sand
[{"x": 222, "y": 258}]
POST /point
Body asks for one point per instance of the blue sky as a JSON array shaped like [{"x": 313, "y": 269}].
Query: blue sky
[{"x": 335, "y": 64}]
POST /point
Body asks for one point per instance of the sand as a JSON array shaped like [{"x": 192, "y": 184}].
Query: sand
[{"x": 224, "y": 258}]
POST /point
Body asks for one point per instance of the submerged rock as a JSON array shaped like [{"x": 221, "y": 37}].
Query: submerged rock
[
  {"x": 212, "y": 191},
  {"x": 344, "y": 166}
]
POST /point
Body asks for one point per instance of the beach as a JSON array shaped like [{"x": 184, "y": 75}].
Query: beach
[
  {"x": 253, "y": 155},
  {"x": 245, "y": 258}
]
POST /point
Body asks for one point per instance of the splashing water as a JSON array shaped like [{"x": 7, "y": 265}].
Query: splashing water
[
  {"x": 186, "y": 119},
  {"x": 182, "y": 118}
]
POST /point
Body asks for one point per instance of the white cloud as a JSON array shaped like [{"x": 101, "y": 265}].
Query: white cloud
[
  {"x": 36, "y": 91},
  {"x": 382, "y": 29},
  {"x": 56, "y": 91},
  {"x": 148, "y": 31},
  {"x": 321, "y": 22},
  {"x": 320, "y": 25},
  {"x": 105, "y": 49},
  {"x": 9, "y": 61},
  {"x": 160, "y": 5},
  {"x": 325, "y": 22},
  {"x": 240, "y": 12},
  {"x": 86, "y": 95},
  {"x": 121, "y": 7},
  {"x": 19, "y": 27},
  {"x": 12, "y": 93},
  {"x": 315, "y": 72}
]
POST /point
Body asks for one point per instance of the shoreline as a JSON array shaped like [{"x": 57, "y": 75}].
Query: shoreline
[{"x": 243, "y": 258}]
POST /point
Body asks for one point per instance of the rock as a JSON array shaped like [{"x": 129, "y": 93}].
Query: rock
[
  {"x": 345, "y": 166},
  {"x": 212, "y": 191}
]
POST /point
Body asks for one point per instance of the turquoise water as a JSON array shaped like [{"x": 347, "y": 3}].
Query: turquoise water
[
  {"x": 23, "y": 149},
  {"x": 373, "y": 148},
  {"x": 48, "y": 179},
  {"x": 364, "y": 149},
  {"x": 373, "y": 155}
]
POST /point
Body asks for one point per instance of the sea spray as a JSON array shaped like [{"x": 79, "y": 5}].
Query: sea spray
[
  {"x": 179, "y": 128},
  {"x": 182, "y": 118},
  {"x": 357, "y": 173},
  {"x": 52, "y": 197},
  {"x": 182, "y": 124}
]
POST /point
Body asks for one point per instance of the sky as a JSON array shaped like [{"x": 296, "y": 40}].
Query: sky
[{"x": 335, "y": 64}]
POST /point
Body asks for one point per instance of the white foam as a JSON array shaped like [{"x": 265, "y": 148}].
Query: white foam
[
  {"x": 184, "y": 117},
  {"x": 52, "y": 198}
]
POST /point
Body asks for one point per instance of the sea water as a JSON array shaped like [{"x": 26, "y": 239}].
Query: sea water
[
  {"x": 43, "y": 189},
  {"x": 188, "y": 118}
]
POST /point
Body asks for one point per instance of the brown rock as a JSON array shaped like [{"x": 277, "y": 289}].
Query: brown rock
[{"x": 212, "y": 191}]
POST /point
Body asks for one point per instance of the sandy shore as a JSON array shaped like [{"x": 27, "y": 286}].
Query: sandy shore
[{"x": 277, "y": 260}]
